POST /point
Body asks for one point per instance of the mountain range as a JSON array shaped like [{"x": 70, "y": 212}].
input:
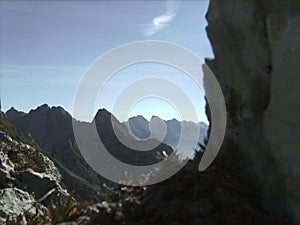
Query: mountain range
[
  {"x": 51, "y": 128},
  {"x": 169, "y": 132}
]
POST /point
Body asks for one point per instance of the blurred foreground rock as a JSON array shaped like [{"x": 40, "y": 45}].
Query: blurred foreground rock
[{"x": 257, "y": 49}]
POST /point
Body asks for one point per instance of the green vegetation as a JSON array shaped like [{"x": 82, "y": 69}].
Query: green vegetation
[
  {"x": 65, "y": 210},
  {"x": 27, "y": 158},
  {"x": 22, "y": 157},
  {"x": 15, "y": 133},
  {"x": 31, "y": 219}
]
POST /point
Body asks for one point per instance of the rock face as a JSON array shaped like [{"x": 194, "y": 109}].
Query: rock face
[
  {"x": 27, "y": 176},
  {"x": 257, "y": 49}
]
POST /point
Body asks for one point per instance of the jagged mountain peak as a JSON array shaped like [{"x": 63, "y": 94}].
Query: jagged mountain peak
[
  {"x": 138, "y": 117},
  {"x": 60, "y": 110},
  {"x": 45, "y": 105},
  {"x": 103, "y": 111},
  {"x": 155, "y": 117},
  {"x": 138, "y": 120},
  {"x": 103, "y": 115},
  {"x": 41, "y": 108},
  {"x": 141, "y": 130},
  {"x": 14, "y": 111},
  {"x": 45, "y": 108},
  {"x": 173, "y": 121}
]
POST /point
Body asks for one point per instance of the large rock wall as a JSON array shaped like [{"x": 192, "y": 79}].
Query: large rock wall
[
  {"x": 282, "y": 117},
  {"x": 257, "y": 51}
]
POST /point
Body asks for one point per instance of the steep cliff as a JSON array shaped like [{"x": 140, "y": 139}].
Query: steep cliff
[{"x": 257, "y": 49}]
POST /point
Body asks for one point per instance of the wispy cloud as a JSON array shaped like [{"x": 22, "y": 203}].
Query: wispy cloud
[{"x": 163, "y": 20}]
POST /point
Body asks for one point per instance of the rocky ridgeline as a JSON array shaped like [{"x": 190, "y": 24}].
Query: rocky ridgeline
[
  {"x": 29, "y": 180},
  {"x": 51, "y": 128}
]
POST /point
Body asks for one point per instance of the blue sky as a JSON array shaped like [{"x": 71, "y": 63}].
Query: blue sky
[{"x": 47, "y": 46}]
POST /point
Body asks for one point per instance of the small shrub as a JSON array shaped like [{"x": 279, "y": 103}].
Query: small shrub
[{"x": 65, "y": 210}]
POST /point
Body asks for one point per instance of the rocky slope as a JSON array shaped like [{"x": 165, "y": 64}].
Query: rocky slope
[
  {"x": 29, "y": 180},
  {"x": 51, "y": 128},
  {"x": 256, "y": 48}
]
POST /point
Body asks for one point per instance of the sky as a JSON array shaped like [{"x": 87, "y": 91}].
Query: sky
[{"x": 47, "y": 46}]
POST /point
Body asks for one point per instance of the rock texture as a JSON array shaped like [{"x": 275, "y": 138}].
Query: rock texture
[
  {"x": 257, "y": 49},
  {"x": 29, "y": 180},
  {"x": 51, "y": 128}
]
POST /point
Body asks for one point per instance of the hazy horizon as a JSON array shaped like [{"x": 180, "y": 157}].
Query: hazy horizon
[{"x": 47, "y": 46}]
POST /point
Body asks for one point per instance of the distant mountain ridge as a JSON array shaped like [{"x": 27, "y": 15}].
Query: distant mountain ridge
[
  {"x": 58, "y": 128},
  {"x": 51, "y": 128},
  {"x": 139, "y": 127}
]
